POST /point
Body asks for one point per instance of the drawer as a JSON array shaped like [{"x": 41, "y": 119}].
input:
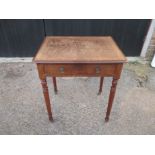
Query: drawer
[{"x": 59, "y": 70}]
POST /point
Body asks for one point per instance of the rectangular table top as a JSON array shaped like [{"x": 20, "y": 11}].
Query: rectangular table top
[{"x": 79, "y": 49}]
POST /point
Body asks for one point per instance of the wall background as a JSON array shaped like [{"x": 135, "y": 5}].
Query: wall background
[{"x": 21, "y": 38}]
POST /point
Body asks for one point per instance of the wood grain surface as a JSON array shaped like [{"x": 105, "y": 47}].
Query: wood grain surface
[{"x": 69, "y": 49}]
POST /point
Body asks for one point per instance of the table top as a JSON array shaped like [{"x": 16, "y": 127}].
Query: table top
[{"x": 79, "y": 49}]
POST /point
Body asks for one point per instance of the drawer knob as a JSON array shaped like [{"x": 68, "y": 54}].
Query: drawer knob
[
  {"x": 97, "y": 69},
  {"x": 62, "y": 69}
]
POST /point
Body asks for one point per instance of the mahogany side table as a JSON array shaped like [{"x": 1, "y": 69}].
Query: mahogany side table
[{"x": 63, "y": 56}]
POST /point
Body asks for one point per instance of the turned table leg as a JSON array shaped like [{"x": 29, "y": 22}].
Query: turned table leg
[
  {"x": 101, "y": 85},
  {"x": 55, "y": 85},
  {"x": 47, "y": 99},
  {"x": 111, "y": 98}
]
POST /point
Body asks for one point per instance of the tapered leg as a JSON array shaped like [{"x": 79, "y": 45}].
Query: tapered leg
[
  {"x": 55, "y": 85},
  {"x": 111, "y": 98},
  {"x": 101, "y": 85},
  {"x": 47, "y": 99}
]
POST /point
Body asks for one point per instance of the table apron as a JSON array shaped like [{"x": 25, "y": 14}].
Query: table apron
[{"x": 94, "y": 70}]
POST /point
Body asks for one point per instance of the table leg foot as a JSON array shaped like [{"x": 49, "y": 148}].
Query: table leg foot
[
  {"x": 56, "y": 92},
  {"x": 99, "y": 93},
  {"x": 106, "y": 119},
  {"x": 51, "y": 119}
]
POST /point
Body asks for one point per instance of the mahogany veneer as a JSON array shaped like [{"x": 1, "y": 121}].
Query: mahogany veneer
[{"x": 61, "y": 56}]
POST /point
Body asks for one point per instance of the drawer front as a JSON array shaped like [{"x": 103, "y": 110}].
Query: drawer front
[{"x": 60, "y": 70}]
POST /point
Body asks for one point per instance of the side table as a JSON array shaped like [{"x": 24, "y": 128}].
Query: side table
[{"x": 64, "y": 56}]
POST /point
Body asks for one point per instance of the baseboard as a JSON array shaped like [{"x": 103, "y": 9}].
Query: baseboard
[{"x": 29, "y": 59}]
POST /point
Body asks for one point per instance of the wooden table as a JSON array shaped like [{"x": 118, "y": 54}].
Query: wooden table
[{"x": 62, "y": 56}]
